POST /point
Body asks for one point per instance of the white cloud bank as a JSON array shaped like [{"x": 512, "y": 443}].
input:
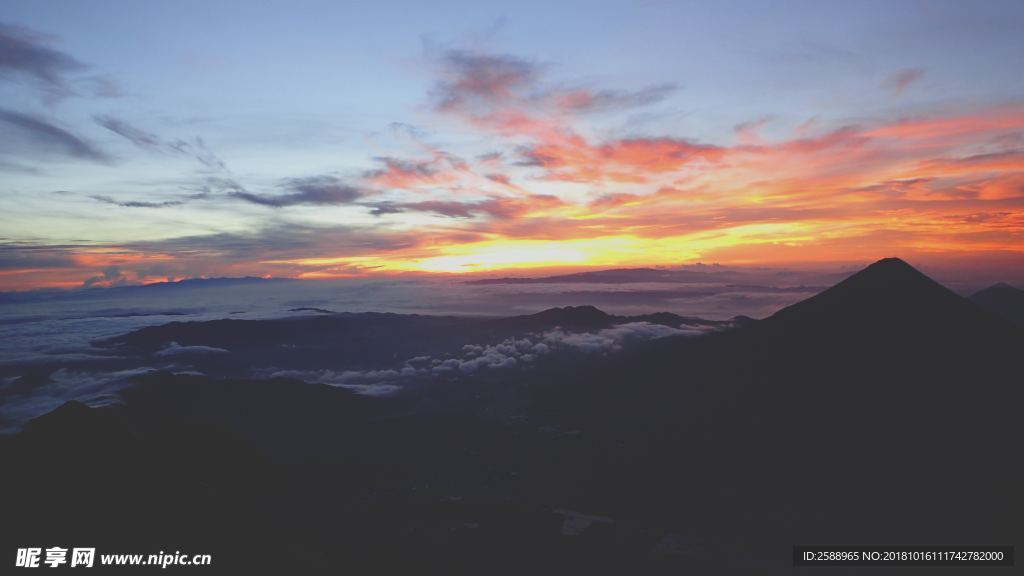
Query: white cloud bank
[{"x": 510, "y": 353}]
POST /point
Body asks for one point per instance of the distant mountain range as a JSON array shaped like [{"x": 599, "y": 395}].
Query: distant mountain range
[
  {"x": 687, "y": 275},
  {"x": 614, "y": 276},
  {"x": 121, "y": 290},
  {"x": 360, "y": 341},
  {"x": 193, "y": 282}
]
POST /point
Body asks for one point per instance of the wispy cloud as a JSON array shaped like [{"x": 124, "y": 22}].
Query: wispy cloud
[
  {"x": 509, "y": 96},
  {"x": 627, "y": 160},
  {"x": 195, "y": 148},
  {"x": 585, "y": 101},
  {"x": 480, "y": 84},
  {"x": 442, "y": 169},
  {"x": 494, "y": 207},
  {"x": 24, "y": 133},
  {"x": 29, "y": 55},
  {"x": 136, "y": 203},
  {"x": 473, "y": 82},
  {"x": 136, "y": 136},
  {"x": 29, "y": 61},
  {"x": 315, "y": 191}
]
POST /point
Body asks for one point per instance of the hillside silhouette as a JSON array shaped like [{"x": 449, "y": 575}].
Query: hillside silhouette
[{"x": 1002, "y": 300}]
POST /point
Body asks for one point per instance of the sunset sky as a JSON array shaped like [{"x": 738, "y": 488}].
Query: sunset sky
[{"x": 144, "y": 141}]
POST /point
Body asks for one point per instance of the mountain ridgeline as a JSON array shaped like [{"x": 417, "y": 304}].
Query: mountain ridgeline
[
  {"x": 1002, "y": 300},
  {"x": 884, "y": 410}
]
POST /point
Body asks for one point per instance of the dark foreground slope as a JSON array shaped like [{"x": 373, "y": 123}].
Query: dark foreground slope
[{"x": 883, "y": 411}]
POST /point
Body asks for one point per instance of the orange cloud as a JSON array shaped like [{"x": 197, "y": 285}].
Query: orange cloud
[
  {"x": 628, "y": 160},
  {"x": 397, "y": 173},
  {"x": 992, "y": 122}
]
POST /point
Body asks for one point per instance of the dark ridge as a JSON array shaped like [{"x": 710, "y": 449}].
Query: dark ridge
[
  {"x": 221, "y": 281},
  {"x": 669, "y": 319},
  {"x": 311, "y": 309},
  {"x": 585, "y": 314},
  {"x": 571, "y": 317},
  {"x": 612, "y": 276},
  {"x": 888, "y": 292},
  {"x": 1002, "y": 300},
  {"x": 130, "y": 314},
  {"x": 71, "y": 414},
  {"x": 616, "y": 275},
  {"x": 741, "y": 320},
  {"x": 98, "y": 471},
  {"x": 50, "y": 294}
]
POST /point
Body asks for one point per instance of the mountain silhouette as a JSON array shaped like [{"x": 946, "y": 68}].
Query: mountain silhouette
[
  {"x": 584, "y": 317},
  {"x": 571, "y": 315},
  {"x": 889, "y": 290},
  {"x": 1002, "y": 300}
]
